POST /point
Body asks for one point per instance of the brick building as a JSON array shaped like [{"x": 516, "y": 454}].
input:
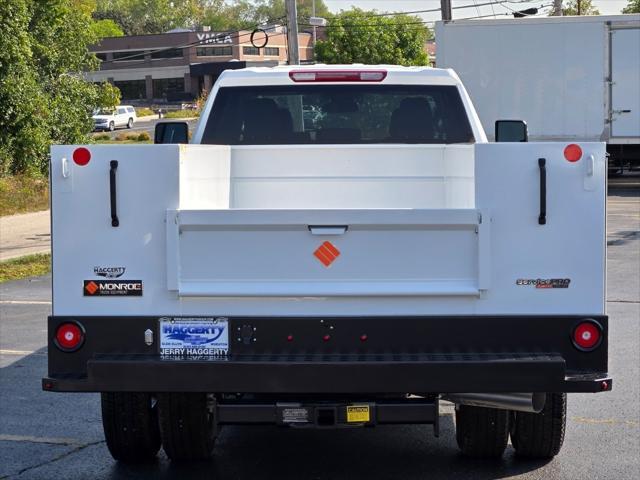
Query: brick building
[{"x": 178, "y": 65}]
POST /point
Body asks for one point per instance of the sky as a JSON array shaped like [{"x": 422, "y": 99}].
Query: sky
[{"x": 500, "y": 8}]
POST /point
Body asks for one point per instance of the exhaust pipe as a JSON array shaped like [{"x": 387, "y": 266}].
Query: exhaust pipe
[{"x": 520, "y": 402}]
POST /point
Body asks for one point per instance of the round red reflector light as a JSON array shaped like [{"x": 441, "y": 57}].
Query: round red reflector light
[
  {"x": 573, "y": 152},
  {"x": 587, "y": 336},
  {"x": 69, "y": 336},
  {"x": 81, "y": 156}
]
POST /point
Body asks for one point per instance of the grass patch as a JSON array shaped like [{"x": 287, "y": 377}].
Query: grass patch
[
  {"x": 23, "y": 193},
  {"x": 144, "y": 112},
  {"x": 181, "y": 114},
  {"x": 25, "y": 267}
]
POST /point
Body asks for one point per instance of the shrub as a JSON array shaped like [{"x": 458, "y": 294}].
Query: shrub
[
  {"x": 121, "y": 137},
  {"x": 144, "y": 112},
  {"x": 144, "y": 137}
]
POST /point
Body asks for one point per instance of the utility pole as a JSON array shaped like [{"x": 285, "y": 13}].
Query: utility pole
[
  {"x": 445, "y": 8},
  {"x": 557, "y": 8},
  {"x": 313, "y": 14},
  {"x": 292, "y": 33},
  {"x": 579, "y": 7}
]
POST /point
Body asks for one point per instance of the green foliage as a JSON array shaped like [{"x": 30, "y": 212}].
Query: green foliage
[
  {"x": 355, "y": 36},
  {"x": 632, "y": 7},
  {"x": 106, "y": 28},
  {"x": 43, "y": 96},
  {"x": 586, "y": 8},
  {"x": 108, "y": 95},
  {"x": 138, "y": 17}
]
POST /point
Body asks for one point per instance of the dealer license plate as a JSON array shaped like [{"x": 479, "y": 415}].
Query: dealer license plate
[{"x": 194, "y": 336}]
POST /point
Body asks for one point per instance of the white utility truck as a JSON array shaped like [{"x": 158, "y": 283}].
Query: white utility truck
[
  {"x": 339, "y": 246},
  {"x": 573, "y": 79}
]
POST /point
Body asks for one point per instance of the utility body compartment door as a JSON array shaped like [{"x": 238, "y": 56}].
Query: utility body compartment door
[{"x": 558, "y": 266}]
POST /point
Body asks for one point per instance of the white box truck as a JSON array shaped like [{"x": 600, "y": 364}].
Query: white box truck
[
  {"x": 338, "y": 247},
  {"x": 571, "y": 79}
]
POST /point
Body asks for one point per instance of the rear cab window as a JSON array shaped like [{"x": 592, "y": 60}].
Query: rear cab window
[{"x": 338, "y": 114}]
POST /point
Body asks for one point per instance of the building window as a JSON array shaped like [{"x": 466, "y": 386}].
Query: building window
[
  {"x": 272, "y": 51},
  {"x": 168, "y": 87},
  {"x": 129, "y": 56},
  {"x": 251, "y": 51},
  {"x": 132, "y": 89},
  {"x": 171, "y": 53},
  {"x": 213, "y": 51}
]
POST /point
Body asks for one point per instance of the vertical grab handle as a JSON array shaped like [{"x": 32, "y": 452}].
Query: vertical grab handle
[
  {"x": 542, "y": 218},
  {"x": 112, "y": 193}
]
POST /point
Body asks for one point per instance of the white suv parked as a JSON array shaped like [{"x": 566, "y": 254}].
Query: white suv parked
[{"x": 109, "y": 119}]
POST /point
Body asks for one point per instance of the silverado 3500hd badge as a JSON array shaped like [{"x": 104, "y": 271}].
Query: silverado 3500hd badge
[{"x": 194, "y": 336}]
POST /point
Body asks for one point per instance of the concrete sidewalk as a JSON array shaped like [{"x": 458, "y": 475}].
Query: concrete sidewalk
[{"x": 24, "y": 234}]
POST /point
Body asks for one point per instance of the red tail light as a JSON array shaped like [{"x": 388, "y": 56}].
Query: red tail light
[
  {"x": 81, "y": 156},
  {"x": 337, "y": 75},
  {"x": 69, "y": 336},
  {"x": 587, "y": 335},
  {"x": 573, "y": 152}
]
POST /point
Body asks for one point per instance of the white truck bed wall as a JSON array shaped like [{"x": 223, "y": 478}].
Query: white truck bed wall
[
  {"x": 551, "y": 73},
  {"x": 215, "y": 230},
  {"x": 338, "y": 177}
]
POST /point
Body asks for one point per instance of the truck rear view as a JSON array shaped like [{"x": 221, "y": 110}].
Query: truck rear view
[{"x": 338, "y": 247}]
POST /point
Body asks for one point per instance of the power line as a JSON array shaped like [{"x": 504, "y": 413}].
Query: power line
[{"x": 458, "y": 7}]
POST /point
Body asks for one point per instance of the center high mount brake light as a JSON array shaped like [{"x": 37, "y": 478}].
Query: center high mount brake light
[{"x": 337, "y": 75}]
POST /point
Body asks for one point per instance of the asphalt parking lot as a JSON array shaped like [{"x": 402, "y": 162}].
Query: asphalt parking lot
[{"x": 59, "y": 436}]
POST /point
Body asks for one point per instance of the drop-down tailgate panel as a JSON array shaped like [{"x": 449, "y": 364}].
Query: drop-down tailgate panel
[{"x": 283, "y": 253}]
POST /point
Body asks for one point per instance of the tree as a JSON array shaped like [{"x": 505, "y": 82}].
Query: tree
[
  {"x": 44, "y": 98},
  {"x": 586, "y": 8},
  {"x": 139, "y": 17},
  {"x": 632, "y": 7},
  {"x": 357, "y": 36}
]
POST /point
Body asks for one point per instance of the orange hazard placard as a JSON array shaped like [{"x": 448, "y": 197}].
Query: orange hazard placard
[{"x": 327, "y": 253}]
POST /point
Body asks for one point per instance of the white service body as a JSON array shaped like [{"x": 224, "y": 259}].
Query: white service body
[{"x": 421, "y": 229}]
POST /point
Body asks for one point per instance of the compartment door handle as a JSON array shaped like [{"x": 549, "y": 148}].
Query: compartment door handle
[
  {"x": 542, "y": 165},
  {"x": 112, "y": 193}
]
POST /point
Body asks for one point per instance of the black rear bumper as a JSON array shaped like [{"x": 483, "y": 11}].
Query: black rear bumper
[{"x": 419, "y": 355}]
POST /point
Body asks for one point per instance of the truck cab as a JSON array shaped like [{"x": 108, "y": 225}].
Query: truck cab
[{"x": 339, "y": 246}]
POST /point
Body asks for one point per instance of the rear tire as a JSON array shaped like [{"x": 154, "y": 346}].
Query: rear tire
[
  {"x": 130, "y": 423},
  {"x": 541, "y": 435},
  {"x": 188, "y": 425},
  {"x": 482, "y": 432}
]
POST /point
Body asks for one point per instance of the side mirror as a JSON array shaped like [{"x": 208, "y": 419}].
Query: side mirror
[
  {"x": 171, "y": 132},
  {"x": 511, "y": 131}
]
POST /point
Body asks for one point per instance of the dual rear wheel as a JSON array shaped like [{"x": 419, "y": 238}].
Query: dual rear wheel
[
  {"x": 484, "y": 432},
  {"x": 137, "y": 424}
]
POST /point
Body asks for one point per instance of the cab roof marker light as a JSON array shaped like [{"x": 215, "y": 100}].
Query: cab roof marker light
[{"x": 338, "y": 75}]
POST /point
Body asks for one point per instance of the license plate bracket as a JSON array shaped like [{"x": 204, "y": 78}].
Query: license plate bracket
[{"x": 196, "y": 336}]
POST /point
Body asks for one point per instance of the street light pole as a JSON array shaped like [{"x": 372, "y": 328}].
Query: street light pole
[{"x": 293, "y": 53}]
